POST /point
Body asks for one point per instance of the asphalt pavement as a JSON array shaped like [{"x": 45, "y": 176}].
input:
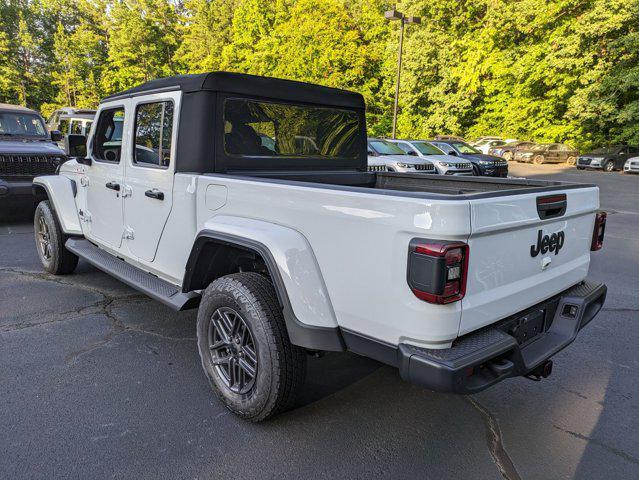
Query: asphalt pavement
[{"x": 97, "y": 381}]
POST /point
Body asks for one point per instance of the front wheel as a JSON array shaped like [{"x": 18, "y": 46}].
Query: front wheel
[
  {"x": 476, "y": 171},
  {"x": 245, "y": 349},
  {"x": 508, "y": 156},
  {"x": 54, "y": 256},
  {"x": 609, "y": 166}
]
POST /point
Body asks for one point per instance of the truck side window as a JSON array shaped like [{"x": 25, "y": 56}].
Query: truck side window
[
  {"x": 153, "y": 132},
  {"x": 63, "y": 126},
  {"x": 107, "y": 145},
  {"x": 76, "y": 127},
  {"x": 268, "y": 129}
]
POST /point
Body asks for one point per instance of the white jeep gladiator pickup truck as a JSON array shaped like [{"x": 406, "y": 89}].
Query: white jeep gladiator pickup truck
[{"x": 249, "y": 197}]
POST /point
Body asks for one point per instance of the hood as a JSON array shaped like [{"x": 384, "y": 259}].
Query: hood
[
  {"x": 598, "y": 155},
  {"x": 12, "y": 147},
  {"x": 391, "y": 159},
  {"x": 481, "y": 156}
]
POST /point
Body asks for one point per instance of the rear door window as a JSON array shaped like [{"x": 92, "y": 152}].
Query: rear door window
[{"x": 153, "y": 132}]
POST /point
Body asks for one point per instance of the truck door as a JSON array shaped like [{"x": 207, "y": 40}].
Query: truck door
[
  {"x": 150, "y": 167},
  {"x": 104, "y": 177}
]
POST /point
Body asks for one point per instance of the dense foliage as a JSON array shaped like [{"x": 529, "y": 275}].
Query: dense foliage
[{"x": 549, "y": 70}]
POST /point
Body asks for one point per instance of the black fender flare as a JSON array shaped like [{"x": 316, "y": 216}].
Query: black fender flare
[{"x": 301, "y": 334}]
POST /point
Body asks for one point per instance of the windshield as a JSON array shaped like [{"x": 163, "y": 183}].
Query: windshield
[
  {"x": 21, "y": 124},
  {"x": 462, "y": 147},
  {"x": 386, "y": 148},
  {"x": 606, "y": 150},
  {"x": 427, "y": 149}
]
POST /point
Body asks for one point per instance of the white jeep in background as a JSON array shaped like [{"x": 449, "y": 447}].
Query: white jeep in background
[
  {"x": 250, "y": 199},
  {"x": 385, "y": 156},
  {"x": 445, "y": 164}
]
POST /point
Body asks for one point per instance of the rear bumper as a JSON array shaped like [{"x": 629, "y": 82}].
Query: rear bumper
[{"x": 480, "y": 359}]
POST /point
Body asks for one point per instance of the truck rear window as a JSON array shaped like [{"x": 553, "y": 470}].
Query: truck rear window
[{"x": 266, "y": 129}]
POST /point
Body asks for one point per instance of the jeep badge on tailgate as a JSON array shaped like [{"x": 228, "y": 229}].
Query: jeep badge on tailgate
[{"x": 545, "y": 243}]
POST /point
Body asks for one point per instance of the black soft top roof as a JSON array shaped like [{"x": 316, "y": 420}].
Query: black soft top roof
[{"x": 250, "y": 85}]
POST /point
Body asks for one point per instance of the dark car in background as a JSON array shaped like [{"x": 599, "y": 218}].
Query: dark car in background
[
  {"x": 547, "y": 153},
  {"x": 507, "y": 151},
  {"x": 607, "y": 159},
  {"x": 483, "y": 164},
  {"x": 26, "y": 151}
]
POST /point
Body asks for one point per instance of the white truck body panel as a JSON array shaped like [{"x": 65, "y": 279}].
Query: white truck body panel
[
  {"x": 359, "y": 240},
  {"x": 503, "y": 277},
  {"x": 342, "y": 252},
  {"x": 60, "y": 193}
]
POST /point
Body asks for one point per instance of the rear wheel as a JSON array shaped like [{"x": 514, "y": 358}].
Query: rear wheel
[
  {"x": 571, "y": 160},
  {"x": 54, "y": 256},
  {"x": 609, "y": 166},
  {"x": 245, "y": 349},
  {"x": 538, "y": 159}
]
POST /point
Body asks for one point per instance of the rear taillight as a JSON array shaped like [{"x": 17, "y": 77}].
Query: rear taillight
[
  {"x": 599, "y": 231},
  {"x": 437, "y": 270}
]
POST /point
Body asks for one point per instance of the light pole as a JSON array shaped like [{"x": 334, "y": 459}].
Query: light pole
[{"x": 397, "y": 15}]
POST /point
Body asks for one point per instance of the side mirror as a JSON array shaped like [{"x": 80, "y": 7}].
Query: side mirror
[
  {"x": 371, "y": 153},
  {"x": 75, "y": 146},
  {"x": 56, "y": 135},
  {"x": 453, "y": 153},
  {"x": 413, "y": 153}
]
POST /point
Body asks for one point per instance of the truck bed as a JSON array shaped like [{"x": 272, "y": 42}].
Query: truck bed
[{"x": 418, "y": 184}]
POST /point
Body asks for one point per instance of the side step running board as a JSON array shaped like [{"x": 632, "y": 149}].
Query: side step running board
[{"x": 154, "y": 287}]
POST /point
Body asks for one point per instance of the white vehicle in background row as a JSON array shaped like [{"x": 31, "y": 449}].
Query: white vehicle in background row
[
  {"x": 631, "y": 165},
  {"x": 384, "y": 156},
  {"x": 459, "y": 282},
  {"x": 445, "y": 164},
  {"x": 484, "y": 144},
  {"x": 71, "y": 121}
]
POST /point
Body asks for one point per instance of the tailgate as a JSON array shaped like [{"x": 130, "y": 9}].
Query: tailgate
[{"x": 507, "y": 270}]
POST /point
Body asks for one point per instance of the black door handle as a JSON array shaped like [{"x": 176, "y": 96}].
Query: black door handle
[
  {"x": 154, "y": 194},
  {"x": 113, "y": 186}
]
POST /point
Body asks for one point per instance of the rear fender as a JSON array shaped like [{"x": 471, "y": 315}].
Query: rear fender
[
  {"x": 291, "y": 263},
  {"x": 60, "y": 191}
]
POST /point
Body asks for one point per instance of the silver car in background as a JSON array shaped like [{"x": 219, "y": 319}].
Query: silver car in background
[
  {"x": 445, "y": 164},
  {"x": 631, "y": 165},
  {"x": 384, "y": 156}
]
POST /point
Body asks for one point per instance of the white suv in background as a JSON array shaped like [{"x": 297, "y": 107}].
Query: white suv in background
[
  {"x": 631, "y": 165},
  {"x": 445, "y": 164},
  {"x": 384, "y": 156}
]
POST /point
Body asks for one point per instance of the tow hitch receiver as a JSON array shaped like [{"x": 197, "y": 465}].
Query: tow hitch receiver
[{"x": 542, "y": 371}]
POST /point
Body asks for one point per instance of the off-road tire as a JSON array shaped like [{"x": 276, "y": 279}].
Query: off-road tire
[
  {"x": 50, "y": 239},
  {"x": 538, "y": 159},
  {"x": 281, "y": 366},
  {"x": 609, "y": 166}
]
